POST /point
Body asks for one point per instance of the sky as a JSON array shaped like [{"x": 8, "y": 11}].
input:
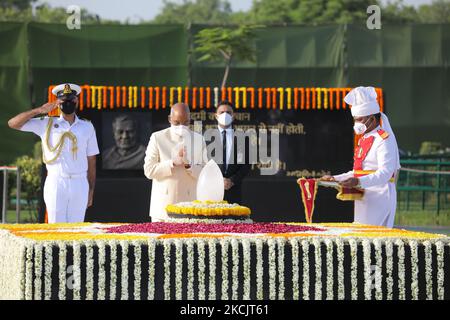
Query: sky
[{"x": 136, "y": 10}]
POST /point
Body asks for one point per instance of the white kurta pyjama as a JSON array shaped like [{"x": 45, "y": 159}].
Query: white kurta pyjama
[
  {"x": 66, "y": 188},
  {"x": 380, "y": 198},
  {"x": 172, "y": 184}
]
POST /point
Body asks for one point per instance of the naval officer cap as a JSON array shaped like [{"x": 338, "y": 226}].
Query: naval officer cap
[{"x": 66, "y": 90}]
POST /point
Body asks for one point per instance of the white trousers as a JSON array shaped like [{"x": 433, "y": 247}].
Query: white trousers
[
  {"x": 66, "y": 198},
  {"x": 378, "y": 206}
]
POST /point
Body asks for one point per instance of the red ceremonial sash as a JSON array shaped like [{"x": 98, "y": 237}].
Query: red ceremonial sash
[{"x": 361, "y": 151}]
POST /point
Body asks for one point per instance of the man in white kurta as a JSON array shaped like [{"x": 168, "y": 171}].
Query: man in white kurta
[
  {"x": 173, "y": 161},
  {"x": 376, "y": 160},
  {"x": 69, "y": 147}
]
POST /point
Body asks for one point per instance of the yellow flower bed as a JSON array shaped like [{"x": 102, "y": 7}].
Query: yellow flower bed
[
  {"x": 400, "y": 234},
  {"x": 51, "y": 226},
  {"x": 71, "y": 236},
  {"x": 42, "y": 226}
]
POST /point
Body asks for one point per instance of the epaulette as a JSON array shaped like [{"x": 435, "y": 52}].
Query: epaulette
[
  {"x": 85, "y": 119},
  {"x": 383, "y": 134}
]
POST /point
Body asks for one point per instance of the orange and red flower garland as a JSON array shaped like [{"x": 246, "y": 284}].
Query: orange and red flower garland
[{"x": 155, "y": 98}]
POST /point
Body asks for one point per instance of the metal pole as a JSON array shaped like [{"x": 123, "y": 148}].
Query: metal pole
[
  {"x": 18, "y": 187},
  {"x": 407, "y": 191},
  {"x": 5, "y": 195},
  {"x": 423, "y": 192},
  {"x": 438, "y": 188}
]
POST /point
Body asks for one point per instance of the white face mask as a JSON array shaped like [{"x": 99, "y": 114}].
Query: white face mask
[
  {"x": 179, "y": 130},
  {"x": 225, "y": 119},
  {"x": 359, "y": 128}
]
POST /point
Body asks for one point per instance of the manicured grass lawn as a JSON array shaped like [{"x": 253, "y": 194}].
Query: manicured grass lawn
[
  {"x": 422, "y": 218},
  {"x": 25, "y": 217}
]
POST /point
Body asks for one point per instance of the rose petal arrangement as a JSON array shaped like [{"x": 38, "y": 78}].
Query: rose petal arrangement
[{"x": 183, "y": 228}]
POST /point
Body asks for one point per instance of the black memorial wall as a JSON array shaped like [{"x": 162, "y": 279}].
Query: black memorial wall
[{"x": 312, "y": 143}]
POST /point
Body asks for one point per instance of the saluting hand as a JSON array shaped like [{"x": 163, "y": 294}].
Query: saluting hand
[{"x": 47, "y": 107}]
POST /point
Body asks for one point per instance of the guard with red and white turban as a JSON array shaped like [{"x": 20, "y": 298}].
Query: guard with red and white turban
[{"x": 376, "y": 160}]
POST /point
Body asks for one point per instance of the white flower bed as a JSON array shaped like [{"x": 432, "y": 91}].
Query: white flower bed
[{"x": 27, "y": 270}]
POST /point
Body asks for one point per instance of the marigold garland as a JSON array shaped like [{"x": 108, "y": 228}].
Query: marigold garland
[
  {"x": 205, "y": 211},
  {"x": 156, "y": 97}
]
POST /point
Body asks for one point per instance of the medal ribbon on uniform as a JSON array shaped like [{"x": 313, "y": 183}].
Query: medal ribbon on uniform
[{"x": 308, "y": 190}]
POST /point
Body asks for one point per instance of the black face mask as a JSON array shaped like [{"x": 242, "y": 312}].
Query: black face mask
[{"x": 68, "y": 106}]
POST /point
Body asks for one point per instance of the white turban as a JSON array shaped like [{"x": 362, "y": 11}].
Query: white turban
[{"x": 364, "y": 103}]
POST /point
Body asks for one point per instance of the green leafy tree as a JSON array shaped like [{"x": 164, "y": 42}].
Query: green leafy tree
[
  {"x": 226, "y": 44},
  {"x": 313, "y": 12},
  {"x": 30, "y": 169},
  {"x": 398, "y": 12},
  {"x": 437, "y": 12},
  {"x": 16, "y": 4},
  {"x": 198, "y": 11},
  {"x": 21, "y": 11},
  {"x": 271, "y": 12},
  {"x": 309, "y": 11}
]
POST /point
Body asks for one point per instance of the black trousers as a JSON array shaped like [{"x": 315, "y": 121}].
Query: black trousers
[{"x": 234, "y": 195}]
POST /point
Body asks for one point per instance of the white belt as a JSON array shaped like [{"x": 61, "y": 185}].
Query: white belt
[{"x": 68, "y": 176}]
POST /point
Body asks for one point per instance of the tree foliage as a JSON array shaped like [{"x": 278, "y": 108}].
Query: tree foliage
[
  {"x": 30, "y": 172},
  {"x": 22, "y": 10},
  {"x": 309, "y": 12},
  {"x": 225, "y": 44},
  {"x": 195, "y": 11}
]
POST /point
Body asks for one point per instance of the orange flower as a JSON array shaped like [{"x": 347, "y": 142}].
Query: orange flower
[{"x": 311, "y": 97}]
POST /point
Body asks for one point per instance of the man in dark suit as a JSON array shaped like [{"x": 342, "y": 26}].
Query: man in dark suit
[{"x": 235, "y": 164}]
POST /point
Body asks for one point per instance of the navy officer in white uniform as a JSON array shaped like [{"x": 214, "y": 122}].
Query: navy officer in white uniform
[{"x": 69, "y": 149}]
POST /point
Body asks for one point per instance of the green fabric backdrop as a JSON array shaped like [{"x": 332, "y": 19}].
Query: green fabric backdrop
[
  {"x": 14, "y": 93},
  {"x": 286, "y": 56},
  {"x": 107, "y": 55},
  {"x": 410, "y": 62}
]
